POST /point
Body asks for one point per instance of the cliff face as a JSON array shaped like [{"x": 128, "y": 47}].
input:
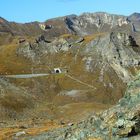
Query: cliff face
[
  {"x": 95, "y": 55},
  {"x": 135, "y": 20},
  {"x": 89, "y": 23}
]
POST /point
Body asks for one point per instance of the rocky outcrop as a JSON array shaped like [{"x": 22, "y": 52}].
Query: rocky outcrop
[
  {"x": 134, "y": 17},
  {"x": 124, "y": 118},
  {"x": 86, "y": 23},
  {"x": 89, "y": 23},
  {"x": 135, "y": 21},
  {"x": 118, "y": 49}
]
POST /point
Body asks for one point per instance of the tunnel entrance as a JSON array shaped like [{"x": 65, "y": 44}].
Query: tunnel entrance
[{"x": 57, "y": 70}]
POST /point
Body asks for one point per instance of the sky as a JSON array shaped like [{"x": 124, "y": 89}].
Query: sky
[{"x": 40, "y": 10}]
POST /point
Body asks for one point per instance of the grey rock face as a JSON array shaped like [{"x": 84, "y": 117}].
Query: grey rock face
[
  {"x": 118, "y": 49},
  {"x": 135, "y": 21},
  {"x": 89, "y": 23},
  {"x": 42, "y": 46},
  {"x": 134, "y": 17}
]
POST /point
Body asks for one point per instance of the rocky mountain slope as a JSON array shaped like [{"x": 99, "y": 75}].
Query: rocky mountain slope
[
  {"x": 118, "y": 122},
  {"x": 86, "y": 62}
]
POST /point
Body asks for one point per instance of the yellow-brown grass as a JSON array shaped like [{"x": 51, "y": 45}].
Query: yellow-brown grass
[
  {"x": 7, "y": 133},
  {"x": 89, "y": 38}
]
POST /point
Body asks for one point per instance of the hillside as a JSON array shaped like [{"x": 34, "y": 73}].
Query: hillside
[{"x": 64, "y": 70}]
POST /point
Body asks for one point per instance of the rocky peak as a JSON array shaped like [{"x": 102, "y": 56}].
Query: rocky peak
[
  {"x": 105, "y": 18},
  {"x": 88, "y": 23},
  {"x": 134, "y": 17},
  {"x": 2, "y": 20}
]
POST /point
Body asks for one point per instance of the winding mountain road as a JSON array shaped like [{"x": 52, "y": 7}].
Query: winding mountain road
[
  {"x": 22, "y": 76},
  {"x": 26, "y": 76}
]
